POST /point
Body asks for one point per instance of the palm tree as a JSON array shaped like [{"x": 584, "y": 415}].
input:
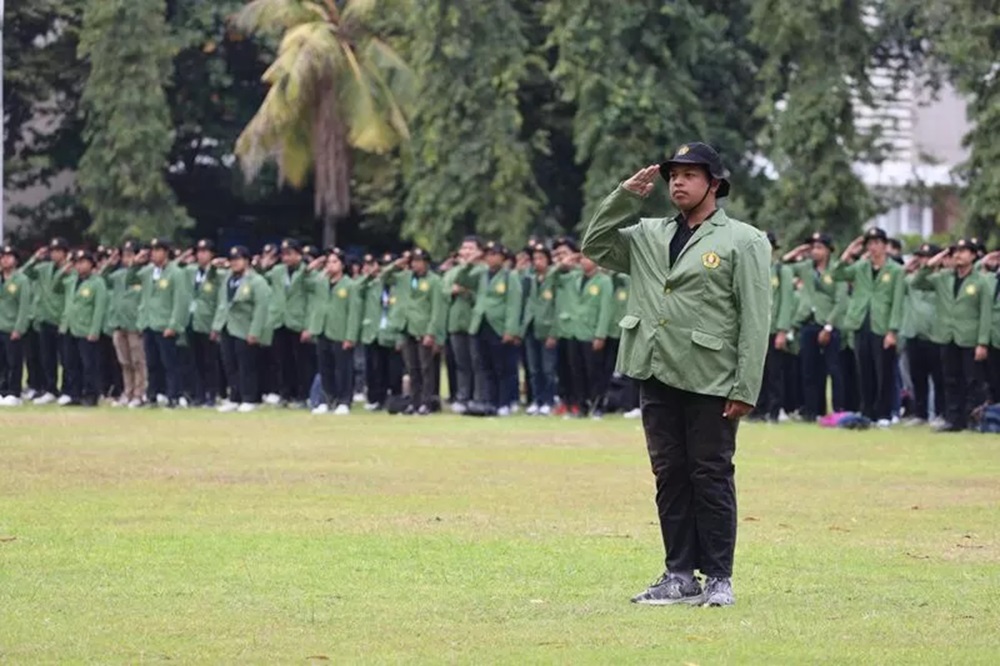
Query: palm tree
[{"x": 334, "y": 85}]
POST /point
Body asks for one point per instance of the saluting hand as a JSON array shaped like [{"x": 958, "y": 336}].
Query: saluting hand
[
  {"x": 736, "y": 409},
  {"x": 938, "y": 258},
  {"x": 643, "y": 181}
]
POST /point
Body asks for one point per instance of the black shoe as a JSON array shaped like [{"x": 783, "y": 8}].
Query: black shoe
[
  {"x": 409, "y": 411},
  {"x": 949, "y": 427},
  {"x": 671, "y": 590},
  {"x": 86, "y": 402},
  {"x": 171, "y": 404},
  {"x": 423, "y": 411}
]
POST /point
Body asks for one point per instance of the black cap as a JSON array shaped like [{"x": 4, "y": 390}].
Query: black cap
[
  {"x": 205, "y": 244},
  {"x": 84, "y": 255},
  {"x": 8, "y": 249},
  {"x": 269, "y": 248},
  {"x": 820, "y": 237},
  {"x": 965, "y": 244},
  {"x": 239, "y": 252},
  {"x": 59, "y": 243},
  {"x": 420, "y": 253},
  {"x": 980, "y": 245},
  {"x": 538, "y": 247},
  {"x": 131, "y": 246},
  {"x": 927, "y": 250},
  {"x": 335, "y": 252},
  {"x": 895, "y": 243},
  {"x": 567, "y": 242},
  {"x": 875, "y": 233},
  {"x": 701, "y": 154},
  {"x": 773, "y": 240},
  {"x": 291, "y": 244},
  {"x": 310, "y": 250},
  {"x": 495, "y": 247},
  {"x": 387, "y": 258},
  {"x": 159, "y": 244}
]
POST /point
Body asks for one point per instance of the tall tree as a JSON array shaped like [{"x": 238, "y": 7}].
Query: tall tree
[
  {"x": 818, "y": 57},
  {"x": 471, "y": 162},
  {"x": 128, "y": 132},
  {"x": 334, "y": 85}
]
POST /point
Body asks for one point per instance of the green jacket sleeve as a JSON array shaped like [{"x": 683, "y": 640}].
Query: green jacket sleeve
[
  {"x": 753, "y": 295},
  {"x": 841, "y": 299},
  {"x": 512, "y": 317},
  {"x": 923, "y": 280},
  {"x": 606, "y": 239},
  {"x": 181, "y": 304},
  {"x": 898, "y": 298},
  {"x": 30, "y": 268},
  {"x": 355, "y": 307},
  {"x": 316, "y": 318},
  {"x": 985, "y": 309},
  {"x": 786, "y": 292},
  {"x": 261, "y": 304},
  {"x": 100, "y": 308},
  {"x": 604, "y": 320},
  {"x": 439, "y": 313},
  {"x": 23, "y": 317},
  {"x": 843, "y": 272}
]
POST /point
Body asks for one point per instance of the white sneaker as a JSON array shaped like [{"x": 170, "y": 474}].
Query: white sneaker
[
  {"x": 544, "y": 410},
  {"x": 10, "y": 401},
  {"x": 120, "y": 402},
  {"x": 246, "y": 407},
  {"x": 371, "y": 406},
  {"x": 783, "y": 417},
  {"x": 64, "y": 400},
  {"x": 359, "y": 397},
  {"x": 633, "y": 413},
  {"x": 272, "y": 399},
  {"x": 895, "y": 420},
  {"x": 342, "y": 410},
  {"x": 45, "y": 399},
  {"x": 884, "y": 423},
  {"x": 459, "y": 408},
  {"x": 162, "y": 400},
  {"x": 532, "y": 409},
  {"x": 321, "y": 409},
  {"x": 182, "y": 402},
  {"x": 514, "y": 408},
  {"x": 134, "y": 403},
  {"x": 503, "y": 411},
  {"x": 227, "y": 407},
  {"x": 29, "y": 394}
]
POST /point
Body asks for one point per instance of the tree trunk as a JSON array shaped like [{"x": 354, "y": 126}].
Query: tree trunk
[{"x": 332, "y": 184}]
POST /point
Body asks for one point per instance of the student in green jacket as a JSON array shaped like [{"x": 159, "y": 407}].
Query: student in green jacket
[
  {"x": 990, "y": 264},
  {"x": 15, "y": 302},
  {"x": 496, "y": 325},
  {"x": 875, "y": 311},
  {"x": 923, "y": 354},
  {"x": 335, "y": 325},
  {"x": 461, "y": 298},
  {"x": 538, "y": 329},
  {"x": 45, "y": 270},
  {"x": 383, "y": 363},
  {"x": 126, "y": 292},
  {"x": 629, "y": 401},
  {"x": 87, "y": 307},
  {"x": 591, "y": 333},
  {"x": 238, "y": 326},
  {"x": 696, "y": 335},
  {"x": 962, "y": 322},
  {"x": 773, "y": 389},
  {"x": 204, "y": 282},
  {"x": 423, "y": 320},
  {"x": 568, "y": 278}
]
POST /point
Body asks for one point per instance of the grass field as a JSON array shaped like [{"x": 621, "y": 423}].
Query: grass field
[{"x": 192, "y": 537}]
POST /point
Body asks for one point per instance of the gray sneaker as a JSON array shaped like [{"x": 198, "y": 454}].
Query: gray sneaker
[
  {"x": 670, "y": 590},
  {"x": 719, "y": 592}
]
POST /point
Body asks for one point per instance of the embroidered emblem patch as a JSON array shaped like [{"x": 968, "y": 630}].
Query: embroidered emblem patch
[
  {"x": 85, "y": 292},
  {"x": 622, "y": 295},
  {"x": 246, "y": 290},
  {"x": 207, "y": 288},
  {"x": 501, "y": 288},
  {"x": 683, "y": 150},
  {"x": 710, "y": 260},
  {"x": 423, "y": 286},
  {"x": 12, "y": 288},
  {"x": 163, "y": 283},
  {"x": 137, "y": 287},
  {"x": 827, "y": 279},
  {"x": 392, "y": 300},
  {"x": 341, "y": 293},
  {"x": 971, "y": 290},
  {"x": 887, "y": 277},
  {"x": 547, "y": 294},
  {"x": 594, "y": 290},
  {"x": 775, "y": 281}
]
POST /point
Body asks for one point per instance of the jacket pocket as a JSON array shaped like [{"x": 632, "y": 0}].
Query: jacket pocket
[
  {"x": 706, "y": 340},
  {"x": 629, "y": 322}
]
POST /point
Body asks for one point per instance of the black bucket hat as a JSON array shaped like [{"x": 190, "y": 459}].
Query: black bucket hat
[{"x": 700, "y": 154}]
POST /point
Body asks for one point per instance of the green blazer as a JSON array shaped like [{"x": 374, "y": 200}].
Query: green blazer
[
  {"x": 423, "y": 310},
  {"x": 337, "y": 316},
  {"x": 165, "y": 301},
  {"x": 498, "y": 302},
  {"x": 783, "y": 300},
  {"x": 290, "y": 292},
  {"x": 880, "y": 295},
  {"x": 540, "y": 311},
  {"x": 15, "y": 303},
  {"x": 701, "y": 324},
  {"x": 621, "y": 283},
  {"x": 567, "y": 302},
  {"x": 596, "y": 307},
  {"x": 918, "y": 311},
  {"x": 204, "y": 297},
  {"x": 993, "y": 285},
  {"x": 964, "y": 318},
  {"x": 88, "y": 305},
  {"x": 47, "y": 283},
  {"x": 67, "y": 283},
  {"x": 821, "y": 298},
  {"x": 244, "y": 315},
  {"x": 459, "y": 306}
]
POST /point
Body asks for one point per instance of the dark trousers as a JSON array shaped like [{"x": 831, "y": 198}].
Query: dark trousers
[
  {"x": 420, "y": 365},
  {"x": 691, "y": 447},
  {"x": 111, "y": 372},
  {"x": 512, "y": 378},
  {"x": 925, "y": 367},
  {"x": 268, "y": 370},
  {"x": 87, "y": 358},
  {"x": 336, "y": 370},
  {"x": 791, "y": 372},
  {"x": 163, "y": 366},
  {"x": 383, "y": 372},
  {"x": 876, "y": 374},
  {"x": 772, "y": 389},
  {"x": 852, "y": 386},
  {"x": 569, "y": 383},
  {"x": 962, "y": 383},
  {"x": 33, "y": 361},
  {"x": 49, "y": 353},
  {"x": 71, "y": 366},
  {"x": 11, "y": 365},
  {"x": 296, "y": 364},
  {"x": 450, "y": 370},
  {"x": 241, "y": 362},
  {"x": 818, "y": 364},
  {"x": 491, "y": 358},
  {"x": 588, "y": 367},
  {"x": 542, "y": 363},
  {"x": 465, "y": 369},
  {"x": 205, "y": 365},
  {"x": 993, "y": 374}
]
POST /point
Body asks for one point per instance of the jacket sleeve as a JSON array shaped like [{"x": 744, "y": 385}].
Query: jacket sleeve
[
  {"x": 439, "y": 313},
  {"x": 100, "y": 308},
  {"x": 181, "y": 303},
  {"x": 753, "y": 302},
  {"x": 898, "y": 299},
  {"x": 606, "y": 305},
  {"x": 606, "y": 239},
  {"x": 512, "y": 316},
  {"x": 985, "y": 309},
  {"x": 844, "y": 272},
  {"x": 840, "y": 301},
  {"x": 355, "y": 306},
  {"x": 23, "y": 318},
  {"x": 261, "y": 308},
  {"x": 923, "y": 279},
  {"x": 220, "y": 309},
  {"x": 786, "y": 291},
  {"x": 317, "y": 305}
]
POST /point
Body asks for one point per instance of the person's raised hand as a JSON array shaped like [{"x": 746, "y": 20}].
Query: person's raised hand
[{"x": 643, "y": 181}]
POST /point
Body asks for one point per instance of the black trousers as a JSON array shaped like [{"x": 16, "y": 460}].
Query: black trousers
[
  {"x": 465, "y": 368},
  {"x": 384, "y": 373},
  {"x": 33, "y": 361},
  {"x": 87, "y": 358},
  {"x": 993, "y": 374},
  {"x": 111, "y": 372},
  {"x": 569, "y": 382},
  {"x": 421, "y": 364},
  {"x": 296, "y": 364},
  {"x": 691, "y": 447},
  {"x": 925, "y": 367},
  {"x": 817, "y": 364},
  {"x": 852, "y": 386},
  {"x": 491, "y": 358},
  {"x": 163, "y": 365},
  {"x": 876, "y": 374},
  {"x": 241, "y": 361},
  {"x": 588, "y": 368},
  {"x": 772, "y": 389},
  {"x": 11, "y": 365},
  {"x": 49, "y": 355},
  {"x": 450, "y": 370},
  {"x": 204, "y": 354},
  {"x": 962, "y": 383},
  {"x": 71, "y": 366},
  {"x": 791, "y": 371},
  {"x": 336, "y": 370}
]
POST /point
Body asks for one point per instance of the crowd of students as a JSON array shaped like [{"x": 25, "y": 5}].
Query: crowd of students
[
  {"x": 156, "y": 326},
  {"x": 863, "y": 331}
]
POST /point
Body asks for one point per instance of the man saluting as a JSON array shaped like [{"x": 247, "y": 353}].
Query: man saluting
[{"x": 695, "y": 335}]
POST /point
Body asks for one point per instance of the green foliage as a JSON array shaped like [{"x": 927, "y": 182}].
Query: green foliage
[
  {"x": 818, "y": 53},
  {"x": 128, "y": 131},
  {"x": 471, "y": 167}
]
